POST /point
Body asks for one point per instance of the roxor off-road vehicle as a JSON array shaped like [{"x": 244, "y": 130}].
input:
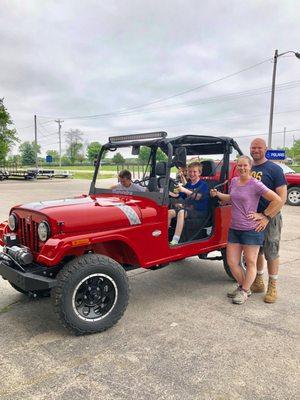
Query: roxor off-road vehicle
[{"x": 79, "y": 249}]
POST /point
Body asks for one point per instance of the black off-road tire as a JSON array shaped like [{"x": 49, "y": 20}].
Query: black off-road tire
[
  {"x": 73, "y": 280},
  {"x": 293, "y": 196},
  {"x": 226, "y": 266}
]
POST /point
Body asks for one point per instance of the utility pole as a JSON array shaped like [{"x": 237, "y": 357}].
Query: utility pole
[
  {"x": 59, "y": 121},
  {"x": 35, "y": 142},
  {"x": 276, "y": 55},
  {"x": 272, "y": 100},
  {"x": 284, "y": 131},
  {"x": 293, "y": 147}
]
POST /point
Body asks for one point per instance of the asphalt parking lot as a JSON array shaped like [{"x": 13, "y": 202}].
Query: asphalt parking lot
[{"x": 180, "y": 337}]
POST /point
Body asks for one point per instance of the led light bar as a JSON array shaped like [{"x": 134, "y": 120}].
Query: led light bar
[{"x": 139, "y": 136}]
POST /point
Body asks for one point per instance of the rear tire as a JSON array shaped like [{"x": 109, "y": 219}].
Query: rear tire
[{"x": 91, "y": 295}]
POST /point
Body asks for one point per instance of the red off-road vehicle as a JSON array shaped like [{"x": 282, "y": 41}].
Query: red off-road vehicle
[{"x": 79, "y": 249}]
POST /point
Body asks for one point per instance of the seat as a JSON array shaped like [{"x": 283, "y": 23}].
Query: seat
[
  {"x": 157, "y": 182},
  {"x": 152, "y": 184},
  {"x": 160, "y": 171},
  {"x": 208, "y": 168},
  {"x": 209, "y": 171}
]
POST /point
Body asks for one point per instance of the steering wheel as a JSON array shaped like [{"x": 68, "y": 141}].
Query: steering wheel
[{"x": 142, "y": 182}]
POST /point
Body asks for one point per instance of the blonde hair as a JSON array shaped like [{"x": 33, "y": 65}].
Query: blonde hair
[
  {"x": 195, "y": 164},
  {"x": 246, "y": 158}
]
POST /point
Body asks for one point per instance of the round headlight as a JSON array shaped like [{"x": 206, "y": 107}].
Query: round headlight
[
  {"x": 43, "y": 231},
  {"x": 13, "y": 222}
]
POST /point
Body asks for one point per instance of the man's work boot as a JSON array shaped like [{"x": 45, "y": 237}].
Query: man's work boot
[
  {"x": 271, "y": 294},
  {"x": 258, "y": 285}
]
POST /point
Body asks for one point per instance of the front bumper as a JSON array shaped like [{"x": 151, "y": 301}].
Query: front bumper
[{"x": 31, "y": 280}]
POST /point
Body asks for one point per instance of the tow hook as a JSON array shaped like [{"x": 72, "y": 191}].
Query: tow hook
[{"x": 32, "y": 295}]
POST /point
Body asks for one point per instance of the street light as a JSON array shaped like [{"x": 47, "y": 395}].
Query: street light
[{"x": 276, "y": 55}]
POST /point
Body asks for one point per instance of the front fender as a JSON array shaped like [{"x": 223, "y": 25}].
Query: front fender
[
  {"x": 3, "y": 230},
  {"x": 55, "y": 249}
]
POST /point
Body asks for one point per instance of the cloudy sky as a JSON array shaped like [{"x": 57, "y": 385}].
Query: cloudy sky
[{"x": 127, "y": 66}]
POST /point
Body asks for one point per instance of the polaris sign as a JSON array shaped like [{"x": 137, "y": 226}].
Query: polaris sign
[{"x": 275, "y": 154}]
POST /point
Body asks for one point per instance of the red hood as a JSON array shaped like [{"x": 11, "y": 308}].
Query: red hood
[{"x": 90, "y": 213}]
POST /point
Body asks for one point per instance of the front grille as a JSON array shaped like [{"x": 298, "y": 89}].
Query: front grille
[{"x": 29, "y": 234}]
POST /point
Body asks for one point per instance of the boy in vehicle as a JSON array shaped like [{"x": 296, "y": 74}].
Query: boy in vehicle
[
  {"x": 196, "y": 200},
  {"x": 126, "y": 185}
]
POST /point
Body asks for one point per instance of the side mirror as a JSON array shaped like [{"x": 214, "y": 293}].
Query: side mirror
[{"x": 179, "y": 159}]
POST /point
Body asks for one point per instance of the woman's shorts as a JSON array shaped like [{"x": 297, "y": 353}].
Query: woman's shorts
[{"x": 246, "y": 237}]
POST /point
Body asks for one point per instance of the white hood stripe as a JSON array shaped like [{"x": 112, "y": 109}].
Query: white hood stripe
[{"x": 132, "y": 216}]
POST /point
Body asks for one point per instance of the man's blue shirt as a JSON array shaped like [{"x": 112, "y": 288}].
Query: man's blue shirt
[{"x": 271, "y": 175}]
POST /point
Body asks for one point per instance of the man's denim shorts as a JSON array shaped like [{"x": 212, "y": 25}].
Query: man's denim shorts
[{"x": 246, "y": 237}]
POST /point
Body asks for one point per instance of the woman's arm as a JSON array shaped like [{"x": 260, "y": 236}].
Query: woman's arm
[
  {"x": 275, "y": 204},
  {"x": 221, "y": 196},
  {"x": 273, "y": 208}
]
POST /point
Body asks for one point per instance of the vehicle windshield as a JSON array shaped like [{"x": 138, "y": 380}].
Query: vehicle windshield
[
  {"x": 121, "y": 170},
  {"x": 286, "y": 169}
]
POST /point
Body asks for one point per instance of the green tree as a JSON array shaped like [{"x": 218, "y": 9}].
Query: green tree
[
  {"x": 118, "y": 159},
  {"x": 295, "y": 149},
  {"x": 65, "y": 160},
  {"x": 14, "y": 159},
  {"x": 54, "y": 154},
  {"x": 74, "y": 140},
  {"x": 80, "y": 158},
  {"x": 8, "y": 137},
  {"x": 93, "y": 150},
  {"x": 145, "y": 153},
  {"x": 28, "y": 152}
]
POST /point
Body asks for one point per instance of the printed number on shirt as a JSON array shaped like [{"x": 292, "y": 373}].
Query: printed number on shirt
[{"x": 257, "y": 175}]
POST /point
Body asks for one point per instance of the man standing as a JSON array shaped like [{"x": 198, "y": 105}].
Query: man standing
[{"x": 273, "y": 177}]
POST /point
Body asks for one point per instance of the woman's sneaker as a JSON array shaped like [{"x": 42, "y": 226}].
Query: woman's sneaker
[
  {"x": 241, "y": 297},
  {"x": 232, "y": 293}
]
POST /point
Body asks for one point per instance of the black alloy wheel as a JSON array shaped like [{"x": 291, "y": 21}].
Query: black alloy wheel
[
  {"x": 91, "y": 295},
  {"x": 94, "y": 297}
]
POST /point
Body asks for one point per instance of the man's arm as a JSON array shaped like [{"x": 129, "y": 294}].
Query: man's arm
[{"x": 282, "y": 193}]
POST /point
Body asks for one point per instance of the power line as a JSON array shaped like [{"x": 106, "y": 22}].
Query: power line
[
  {"x": 168, "y": 97},
  {"x": 266, "y": 133},
  {"x": 229, "y": 97},
  {"x": 226, "y": 97}
]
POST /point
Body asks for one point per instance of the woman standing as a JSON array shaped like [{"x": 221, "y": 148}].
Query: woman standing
[{"x": 244, "y": 234}]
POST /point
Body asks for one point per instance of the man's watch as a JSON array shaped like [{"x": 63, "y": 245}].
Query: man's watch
[{"x": 267, "y": 216}]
